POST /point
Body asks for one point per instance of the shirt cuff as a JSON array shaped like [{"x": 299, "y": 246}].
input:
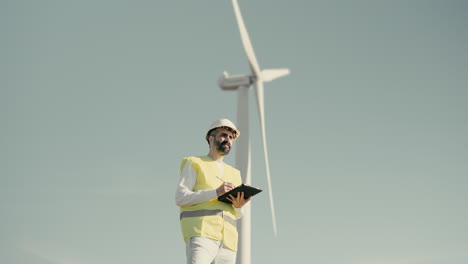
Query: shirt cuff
[
  {"x": 239, "y": 212},
  {"x": 212, "y": 194}
]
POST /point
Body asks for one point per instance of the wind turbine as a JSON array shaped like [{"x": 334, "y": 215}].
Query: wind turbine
[{"x": 242, "y": 84}]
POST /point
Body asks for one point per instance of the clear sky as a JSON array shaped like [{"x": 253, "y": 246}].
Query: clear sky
[{"x": 100, "y": 101}]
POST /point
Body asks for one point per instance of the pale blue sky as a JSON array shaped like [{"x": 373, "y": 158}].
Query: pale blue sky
[{"x": 368, "y": 136}]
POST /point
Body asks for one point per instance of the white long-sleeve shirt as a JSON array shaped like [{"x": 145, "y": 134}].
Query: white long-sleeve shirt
[{"x": 185, "y": 196}]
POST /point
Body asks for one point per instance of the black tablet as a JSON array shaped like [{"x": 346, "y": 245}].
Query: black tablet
[{"x": 248, "y": 191}]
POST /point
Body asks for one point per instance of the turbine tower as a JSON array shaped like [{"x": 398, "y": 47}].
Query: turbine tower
[{"x": 242, "y": 84}]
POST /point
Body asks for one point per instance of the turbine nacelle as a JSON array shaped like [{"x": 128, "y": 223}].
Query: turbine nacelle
[{"x": 227, "y": 82}]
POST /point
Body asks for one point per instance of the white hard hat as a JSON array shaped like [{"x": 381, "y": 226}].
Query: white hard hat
[{"x": 223, "y": 123}]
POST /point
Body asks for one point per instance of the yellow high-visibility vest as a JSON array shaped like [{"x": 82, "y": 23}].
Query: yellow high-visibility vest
[{"x": 212, "y": 219}]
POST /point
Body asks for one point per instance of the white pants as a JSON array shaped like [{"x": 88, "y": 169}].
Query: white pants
[{"x": 202, "y": 250}]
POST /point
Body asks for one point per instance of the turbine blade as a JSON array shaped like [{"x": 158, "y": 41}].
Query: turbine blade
[
  {"x": 246, "y": 40},
  {"x": 261, "y": 111},
  {"x": 272, "y": 74}
]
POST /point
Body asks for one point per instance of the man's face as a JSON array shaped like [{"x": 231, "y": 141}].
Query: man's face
[{"x": 223, "y": 141}]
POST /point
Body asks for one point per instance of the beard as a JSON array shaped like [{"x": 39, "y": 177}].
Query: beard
[{"x": 222, "y": 147}]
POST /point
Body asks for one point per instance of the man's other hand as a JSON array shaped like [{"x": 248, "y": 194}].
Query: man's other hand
[{"x": 239, "y": 201}]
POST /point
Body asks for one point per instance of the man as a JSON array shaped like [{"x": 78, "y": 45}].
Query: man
[{"x": 209, "y": 226}]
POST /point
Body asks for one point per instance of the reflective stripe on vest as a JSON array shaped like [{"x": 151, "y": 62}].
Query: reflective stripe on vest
[{"x": 206, "y": 212}]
